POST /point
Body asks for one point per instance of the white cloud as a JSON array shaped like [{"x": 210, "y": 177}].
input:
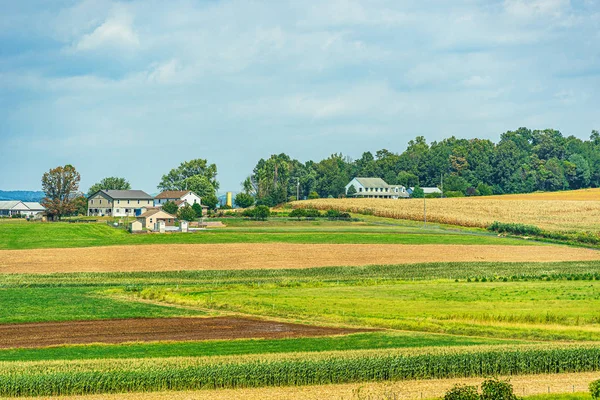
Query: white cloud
[{"x": 115, "y": 32}]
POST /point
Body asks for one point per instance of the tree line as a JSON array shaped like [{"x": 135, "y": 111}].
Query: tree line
[{"x": 522, "y": 161}]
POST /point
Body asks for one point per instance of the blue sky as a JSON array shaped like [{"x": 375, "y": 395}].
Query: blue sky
[{"x": 133, "y": 88}]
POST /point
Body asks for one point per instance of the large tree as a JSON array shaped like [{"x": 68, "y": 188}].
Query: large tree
[
  {"x": 110, "y": 183},
  {"x": 176, "y": 178},
  {"x": 61, "y": 186}
]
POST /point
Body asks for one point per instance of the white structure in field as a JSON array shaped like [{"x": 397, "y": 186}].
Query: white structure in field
[
  {"x": 17, "y": 207},
  {"x": 376, "y": 188},
  {"x": 427, "y": 190},
  {"x": 179, "y": 197}
]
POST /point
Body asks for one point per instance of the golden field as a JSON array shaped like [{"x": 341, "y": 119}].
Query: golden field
[
  {"x": 402, "y": 390},
  {"x": 567, "y": 195},
  {"x": 551, "y": 215},
  {"x": 179, "y": 257}
]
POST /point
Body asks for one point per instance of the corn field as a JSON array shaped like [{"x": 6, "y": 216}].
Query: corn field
[
  {"x": 480, "y": 212},
  {"x": 67, "y": 378}
]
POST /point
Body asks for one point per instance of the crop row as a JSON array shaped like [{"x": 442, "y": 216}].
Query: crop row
[{"x": 296, "y": 371}]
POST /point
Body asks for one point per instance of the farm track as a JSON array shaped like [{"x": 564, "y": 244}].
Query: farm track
[
  {"x": 176, "y": 257},
  {"x": 155, "y": 329},
  {"x": 402, "y": 390}
]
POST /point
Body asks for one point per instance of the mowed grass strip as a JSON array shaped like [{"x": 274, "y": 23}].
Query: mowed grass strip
[
  {"x": 115, "y": 376},
  {"x": 359, "y": 341},
  {"x": 34, "y": 235},
  {"x": 177, "y": 257}
]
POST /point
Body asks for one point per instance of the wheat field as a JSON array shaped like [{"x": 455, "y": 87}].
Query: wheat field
[{"x": 551, "y": 215}]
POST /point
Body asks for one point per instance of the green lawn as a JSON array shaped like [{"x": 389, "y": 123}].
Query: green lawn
[
  {"x": 74, "y": 303},
  {"x": 360, "y": 341},
  {"x": 541, "y": 310},
  {"x": 31, "y": 235}
]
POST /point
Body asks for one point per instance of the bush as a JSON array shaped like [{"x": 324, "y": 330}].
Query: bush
[
  {"x": 198, "y": 210},
  {"x": 494, "y": 389},
  {"x": 312, "y": 213},
  {"x": 170, "y": 207},
  {"x": 258, "y": 213},
  {"x": 418, "y": 193},
  {"x": 313, "y": 195},
  {"x": 332, "y": 214},
  {"x": 515, "y": 229},
  {"x": 595, "y": 389},
  {"x": 452, "y": 193},
  {"x": 298, "y": 213},
  {"x": 462, "y": 392},
  {"x": 186, "y": 213}
]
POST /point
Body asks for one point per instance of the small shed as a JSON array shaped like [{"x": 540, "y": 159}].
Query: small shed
[
  {"x": 151, "y": 217},
  {"x": 136, "y": 226}
]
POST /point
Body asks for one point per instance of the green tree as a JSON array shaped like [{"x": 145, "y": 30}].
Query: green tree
[
  {"x": 244, "y": 200},
  {"x": 200, "y": 185},
  {"x": 170, "y": 207},
  {"x": 418, "y": 193},
  {"x": 186, "y": 213},
  {"x": 60, "y": 185},
  {"x": 110, "y": 183},
  {"x": 462, "y": 392},
  {"x": 81, "y": 205},
  {"x": 407, "y": 179},
  {"x": 484, "y": 190},
  {"x": 197, "y": 209},
  {"x": 313, "y": 195},
  {"x": 351, "y": 191},
  {"x": 210, "y": 201},
  {"x": 298, "y": 213},
  {"x": 176, "y": 178},
  {"x": 454, "y": 183},
  {"x": 581, "y": 174}
]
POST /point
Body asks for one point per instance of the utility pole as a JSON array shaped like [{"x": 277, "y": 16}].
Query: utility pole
[
  {"x": 442, "y": 186},
  {"x": 424, "y": 212}
]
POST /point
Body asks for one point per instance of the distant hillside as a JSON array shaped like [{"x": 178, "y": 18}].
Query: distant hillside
[{"x": 23, "y": 195}]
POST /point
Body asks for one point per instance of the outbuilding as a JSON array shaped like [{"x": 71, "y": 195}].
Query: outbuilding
[{"x": 151, "y": 217}]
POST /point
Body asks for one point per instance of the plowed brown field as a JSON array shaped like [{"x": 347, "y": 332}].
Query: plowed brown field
[
  {"x": 269, "y": 256},
  {"x": 154, "y": 329},
  {"x": 402, "y": 390}
]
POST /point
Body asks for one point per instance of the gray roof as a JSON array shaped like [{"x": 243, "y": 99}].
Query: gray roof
[
  {"x": 372, "y": 182},
  {"x": 7, "y": 205},
  {"x": 127, "y": 194},
  {"x": 34, "y": 205}
]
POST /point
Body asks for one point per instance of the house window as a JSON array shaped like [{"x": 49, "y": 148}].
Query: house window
[
  {"x": 117, "y": 210},
  {"x": 91, "y": 201},
  {"x": 360, "y": 189},
  {"x": 100, "y": 201},
  {"x": 127, "y": 201},
  {"x": 138, "y": 202},
  {"x": 150, "y": 220}
]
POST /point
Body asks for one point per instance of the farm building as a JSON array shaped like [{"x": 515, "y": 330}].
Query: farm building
[
  {"x": 376, "y": 188},
  {"x": 17, "y": 207},
  {"x": 151, "y": 217},
  {"x": 136, "y": 226},
  {"x": 179, "y": 197},
  {"x": 119, "y": 203}
]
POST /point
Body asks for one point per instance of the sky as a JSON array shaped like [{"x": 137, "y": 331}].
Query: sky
[{"x": 133, "y": 88}]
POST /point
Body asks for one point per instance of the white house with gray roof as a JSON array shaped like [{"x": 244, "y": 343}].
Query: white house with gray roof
[
  {"x": 376, "y": 188},
  {"x": 17, "y": 207},
  {"x": 119, "y": 203}
]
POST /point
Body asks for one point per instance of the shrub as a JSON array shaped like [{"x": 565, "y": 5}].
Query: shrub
[
  {"x": 454, "y": 193},
  {"x": 313, "y": 195},
  {"x": 494, "y": 389},
  {"x": 244, "y": 200},
  {"x": 332, "y": 214},
  {"x": 418, "y": 193},
  {"x": 462, "y": 392},
  {"x": 186, "y": 213},
  {"x": 197, "y": 209},
  {"x": 515, "y": 229},
  {"x": 595, "y": 389},
  {"x": 312, "y": 213},
  {"x": 298, "y": 213},
  {"x": 262, "y": 212}
]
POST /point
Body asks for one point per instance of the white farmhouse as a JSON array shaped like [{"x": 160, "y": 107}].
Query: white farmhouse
[
  {"x": 179, "y": 197},
  {"x": 119, "y": 203},
  {"x": 376, "y": 188}
]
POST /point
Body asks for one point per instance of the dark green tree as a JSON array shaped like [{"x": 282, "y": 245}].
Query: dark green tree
[
  {"x": 197, "y": 209},
  {"x": 110, "y": 183},
  {"x": 176, "y": 178},
  {"x": 186, "y": 213},
  {"x": 170, "y": 207},
  {"x": 418, "y": 193},
  {"x": 244, "y": 200},
  {"x": 351, "y": 191}
]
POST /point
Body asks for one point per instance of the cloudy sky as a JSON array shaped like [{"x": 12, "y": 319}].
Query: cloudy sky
[{"x": 133, "y": 88}]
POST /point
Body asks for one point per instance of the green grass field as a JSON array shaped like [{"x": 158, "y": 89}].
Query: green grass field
[{"x": 32, "y": 235}]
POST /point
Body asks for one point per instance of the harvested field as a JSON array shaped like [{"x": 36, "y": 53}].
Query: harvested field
[
  {"x": 270, "y": 256},
  {"x": 154, "y": 329},
  {"x": 403, "y": 390},
  {"x": 551, "y": 215},
  {"x": 567, "y": 195}
]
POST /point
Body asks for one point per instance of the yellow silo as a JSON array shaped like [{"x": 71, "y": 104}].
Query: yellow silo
[{"x": 229, "y": 201}]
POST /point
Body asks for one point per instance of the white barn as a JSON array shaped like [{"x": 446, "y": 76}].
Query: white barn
[{"x": 18, "y": 207}]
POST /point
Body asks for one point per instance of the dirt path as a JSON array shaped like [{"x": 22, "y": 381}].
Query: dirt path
[
  {"x": 154, "y": 329},
  {"x": 268, "y": 256},
  {"x": 405, "y": 390}
]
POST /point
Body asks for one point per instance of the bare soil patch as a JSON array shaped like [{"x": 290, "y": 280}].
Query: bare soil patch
[
  {"x": 176, "y": 257},
  {"x": 155, "y": 329}
]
